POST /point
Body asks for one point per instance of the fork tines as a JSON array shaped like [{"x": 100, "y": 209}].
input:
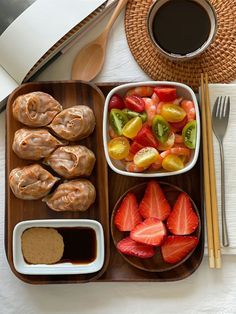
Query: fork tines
[{"x": 222, "y": 107}]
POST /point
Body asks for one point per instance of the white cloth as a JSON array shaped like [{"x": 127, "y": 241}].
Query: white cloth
[{"x": 230, "y": 163}]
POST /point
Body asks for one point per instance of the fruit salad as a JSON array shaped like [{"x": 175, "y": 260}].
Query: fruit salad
[
  {"x": 153, "y": 223},
  {"x": 151, "y": 129}
]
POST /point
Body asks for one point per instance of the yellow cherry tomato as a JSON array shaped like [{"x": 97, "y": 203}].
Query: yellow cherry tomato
[
  {"x": 132, "y": 127},
  {"x": 145, "y": 157},
  {"x": 172, "y": 163},
  {"x": 172, "y": 113},
  {"x": 118, "y": 148}
]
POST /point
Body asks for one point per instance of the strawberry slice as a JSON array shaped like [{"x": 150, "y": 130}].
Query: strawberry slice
[
  {"x": 130, "y": 247},
  {"x": 127, "y": 215},
  {"x": 154, "y": 202},
  {"x": 176, "y": 248},
  {"x": 182, "y": 220},
  {"x": 151, "y": 231}
]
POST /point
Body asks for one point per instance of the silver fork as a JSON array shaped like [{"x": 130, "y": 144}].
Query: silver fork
[{"x": 220, "y": 118}]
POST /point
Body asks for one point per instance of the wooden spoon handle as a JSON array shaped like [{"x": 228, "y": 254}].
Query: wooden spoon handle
[{"x": 121, "y": 4}]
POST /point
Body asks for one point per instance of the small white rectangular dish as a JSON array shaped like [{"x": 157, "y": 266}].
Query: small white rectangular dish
[
  {"x": 64, "y": 268},
  {"x": 183, "y": 91}
]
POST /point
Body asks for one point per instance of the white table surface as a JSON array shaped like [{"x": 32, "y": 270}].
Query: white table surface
[{"x": 206, "y": 291}]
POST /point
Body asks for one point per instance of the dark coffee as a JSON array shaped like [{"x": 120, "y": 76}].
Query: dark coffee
[{"x": 181, "y": 26}]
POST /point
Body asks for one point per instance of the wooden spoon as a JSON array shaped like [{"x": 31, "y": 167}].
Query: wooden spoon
[{"x": 89, "y": 60}]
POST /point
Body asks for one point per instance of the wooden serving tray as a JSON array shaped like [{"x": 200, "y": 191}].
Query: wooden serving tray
[
  {"x": 191, "y": 182},
  {"x": 68, "y": 94},
  {"x": 115, "y": 267}
]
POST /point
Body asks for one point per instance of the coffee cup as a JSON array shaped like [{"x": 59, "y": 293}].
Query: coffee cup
[{"x": 181, "y": 29}]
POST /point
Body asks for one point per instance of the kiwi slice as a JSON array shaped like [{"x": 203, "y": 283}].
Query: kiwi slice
[
  {"x": 189, "y": 134},
  {"x": 160, "y": 128},
  {"x": 117, "y": 120}
]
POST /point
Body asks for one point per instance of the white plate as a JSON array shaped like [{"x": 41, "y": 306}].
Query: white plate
[
  {"x": 183, "y": 91},
  {"x": 59, "y": 268}
]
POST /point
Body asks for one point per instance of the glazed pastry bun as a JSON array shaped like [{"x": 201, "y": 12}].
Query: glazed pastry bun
[
  {"x": 34, "y": 144},
  {"x": 35, "y": 109},
  {"x": 31, "y": 182},
  {"x": 72, "y": 161},
  {"x": 74, "y": 195},
  {"x": 74, "y": 123}
]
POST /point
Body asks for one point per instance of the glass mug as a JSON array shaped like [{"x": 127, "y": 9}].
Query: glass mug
[{"x": 181, "y": 29}]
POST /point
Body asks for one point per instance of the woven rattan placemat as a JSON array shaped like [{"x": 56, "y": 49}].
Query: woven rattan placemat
[{"x": 219, "y": 60}]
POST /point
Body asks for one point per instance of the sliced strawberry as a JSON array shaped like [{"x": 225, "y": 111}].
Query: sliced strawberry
[
  {"x": 166, "y": 94},
  {"x": 130, "y": 247},
  {"x": 145, "y": 137},
  {"x": 176, "y": 248},
  {"x": 127, "y": 215},
  {"x": 182, "y": 220},
  {"x": 151, "y": 231},
  {"x": 154, "y": 202}
]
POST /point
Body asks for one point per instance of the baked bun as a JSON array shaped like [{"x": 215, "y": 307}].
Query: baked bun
[
  {"x": 36, "y": 109},
  {"x": 72, "y": 161},
  {"x": 31, "y": 182},
  {"x": 34, "y": 144},
  {"x": 74, "y": 195},
  {"x": 74, "y": 123}
]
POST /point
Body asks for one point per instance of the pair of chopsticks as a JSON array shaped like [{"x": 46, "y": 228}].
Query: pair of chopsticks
[{"x": 211, "y": 208}]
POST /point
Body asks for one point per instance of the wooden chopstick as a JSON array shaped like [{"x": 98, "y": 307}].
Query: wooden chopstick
[
  {"x": 210, "y": 240},
  {"x": 214, "y": 249}
]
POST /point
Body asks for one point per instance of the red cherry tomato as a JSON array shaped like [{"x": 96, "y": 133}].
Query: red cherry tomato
[
  {"x": 135, "y": 103},
  {"x": 116, "y": 102},
  {"x": 135, "y": 147},
  {"x": 180, "y": 125},
  {"x": 166, "y": 94},
  {"x": 145, "y": 137}
]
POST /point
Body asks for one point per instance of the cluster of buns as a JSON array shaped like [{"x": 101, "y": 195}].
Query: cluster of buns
[{"x": 43, "y": 114}]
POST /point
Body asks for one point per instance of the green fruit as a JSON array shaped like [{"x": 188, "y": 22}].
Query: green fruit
[
  {"x": 160, "y": 128},
  {"x": 117, "y": 120},
  {"x": 132, "y": 114},
  {"x": 189, "y": 134}
]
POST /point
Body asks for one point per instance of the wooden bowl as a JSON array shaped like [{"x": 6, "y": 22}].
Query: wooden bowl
[{"x": 156, "y": 263}]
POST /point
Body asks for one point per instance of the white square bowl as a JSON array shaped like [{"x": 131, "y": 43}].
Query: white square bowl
[
  {"x": 182, "y": 90},
  {"x": 59, "y": 268}
]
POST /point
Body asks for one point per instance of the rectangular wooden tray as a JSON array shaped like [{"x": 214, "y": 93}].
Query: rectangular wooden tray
[
  {"x": 68, "y": 94},
  {"x": 115, "y": 268},
  {"x": 191, "y": 182}
]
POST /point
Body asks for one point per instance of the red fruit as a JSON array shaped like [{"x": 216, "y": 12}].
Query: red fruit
[
  {"x": 135, "y": 147},
  {"x": 127, "y": 215},
  {"x": 135, "y": 103},
  {"x": 154, "y": 202},
  {"x": 130, "y": 247},
  {"x": 151, "y": 231},
  {"x": 166, "y": 94},
  {"x": 179, "y": 125},
  {"x": 176, "y": 248},
  {"x": 146, "y": 138},
  {"x": 182, "y": 220},
  {"x": 116, "y": 102}
]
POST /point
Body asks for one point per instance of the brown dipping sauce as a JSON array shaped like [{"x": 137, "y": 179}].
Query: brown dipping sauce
[
  {"x": 181, "y": 26},
  {"x": 80, "y": 245}
]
